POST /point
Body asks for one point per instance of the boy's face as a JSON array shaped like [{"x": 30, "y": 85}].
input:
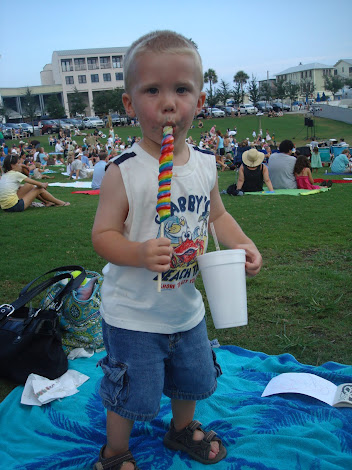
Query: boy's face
[{"x": 165, "y": 91}]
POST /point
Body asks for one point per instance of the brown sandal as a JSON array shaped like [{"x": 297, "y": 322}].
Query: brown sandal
[
  {"x": 198, "y": 450},
  {"x": 114, "y": 463}
]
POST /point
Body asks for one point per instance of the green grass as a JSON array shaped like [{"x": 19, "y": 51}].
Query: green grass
[{"x": 300, "y": 303}]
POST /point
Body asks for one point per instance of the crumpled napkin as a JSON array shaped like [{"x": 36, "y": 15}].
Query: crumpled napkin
[
  {"x": 39, "y": 390},
  {"x": 80, "y": 352}
]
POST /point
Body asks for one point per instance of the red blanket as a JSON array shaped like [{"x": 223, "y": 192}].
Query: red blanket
[
  {"x": 320, "y": 180},
  {"x": 92, "y": 192}
]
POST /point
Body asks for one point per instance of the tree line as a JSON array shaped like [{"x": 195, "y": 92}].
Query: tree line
[{"x": 280, "y": 90}]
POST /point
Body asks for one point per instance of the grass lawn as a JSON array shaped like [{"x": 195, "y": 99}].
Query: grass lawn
[{"x": 300, "y": 303}]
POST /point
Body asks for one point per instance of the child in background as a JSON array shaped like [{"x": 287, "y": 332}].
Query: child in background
[
  {"x": 315, "y": 160},
  {"x": 157, "y": 342},
  {"x": 38, "y": 172},
  {"x": 304, "y": 176}
]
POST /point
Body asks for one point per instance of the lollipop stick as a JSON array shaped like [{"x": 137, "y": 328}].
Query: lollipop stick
[
  {"x": 212, "y": 228},
  {"x": 160, "y": 274}
]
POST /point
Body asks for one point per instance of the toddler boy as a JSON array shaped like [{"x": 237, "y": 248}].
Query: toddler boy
[{"x": 157, "y": 342}]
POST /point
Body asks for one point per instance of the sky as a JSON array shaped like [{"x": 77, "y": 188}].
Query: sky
[{"x": 260, "y": 37}]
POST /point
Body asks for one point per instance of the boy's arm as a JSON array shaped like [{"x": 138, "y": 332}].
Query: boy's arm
[
  {"x": 107, "y": 235},
  {"x": 230, "y": 234}
]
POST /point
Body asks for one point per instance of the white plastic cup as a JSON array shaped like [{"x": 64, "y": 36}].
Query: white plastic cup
[{"x": 224, "y": 278}]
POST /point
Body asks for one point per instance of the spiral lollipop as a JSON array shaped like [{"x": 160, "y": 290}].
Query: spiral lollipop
[{"x": 163, "y": 206}]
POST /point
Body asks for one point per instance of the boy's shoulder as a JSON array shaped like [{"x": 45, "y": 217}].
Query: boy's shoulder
[
  {"x": 122, "y": 158},
  {"x": 207, "y": 152}
]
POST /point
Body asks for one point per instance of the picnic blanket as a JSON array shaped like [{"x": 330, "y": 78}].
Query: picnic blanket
[
  {"x": 280, "y": 432},
  {"x": 288, "y": 192},
  {"x": 92, "y": 192},
  {"x": 345, "y": 180},
  {"x": 346, "y": 173},
  {"x": 75, "y": 184}
]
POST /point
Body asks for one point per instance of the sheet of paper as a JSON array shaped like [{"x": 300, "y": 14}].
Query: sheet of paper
[{"x": 306, "y": 384}]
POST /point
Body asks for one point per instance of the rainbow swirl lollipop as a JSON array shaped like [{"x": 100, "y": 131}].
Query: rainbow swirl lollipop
[{"x": 163, "y": 206}]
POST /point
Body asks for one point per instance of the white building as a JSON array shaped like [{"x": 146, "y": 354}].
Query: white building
[
  {"x": 87, "y": 70},
  {"x": 314, "y": 72},
  {"x": 343, "y": 68}
]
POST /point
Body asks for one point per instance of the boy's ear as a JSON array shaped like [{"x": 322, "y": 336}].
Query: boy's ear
[
  {"x": 200, "y": 102},
  {"x": 127, "y": 102}
]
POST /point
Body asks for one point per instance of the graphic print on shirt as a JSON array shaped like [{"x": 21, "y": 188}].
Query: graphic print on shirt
[{"x": 187, "y": 229}]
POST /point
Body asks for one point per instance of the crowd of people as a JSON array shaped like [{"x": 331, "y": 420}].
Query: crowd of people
[{"x": 258, "y": 161}]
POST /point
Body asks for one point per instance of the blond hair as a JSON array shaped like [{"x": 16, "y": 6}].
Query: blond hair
[{"x": 160, "y": 42}]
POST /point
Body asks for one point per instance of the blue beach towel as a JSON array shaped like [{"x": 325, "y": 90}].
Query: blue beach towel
[{"x": 280, "y": 432}]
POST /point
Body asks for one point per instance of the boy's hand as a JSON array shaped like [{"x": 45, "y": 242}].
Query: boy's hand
[
  {"x": 253, "y": 259},
  {"x": 156, "y": 254}
]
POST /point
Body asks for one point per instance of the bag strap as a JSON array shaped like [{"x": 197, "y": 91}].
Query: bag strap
[
  {"x": 26, "y": 295},
  {"x": 80, "y": 277}
]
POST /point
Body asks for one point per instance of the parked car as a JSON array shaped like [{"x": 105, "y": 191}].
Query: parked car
[
  {"x": 229, "y": 110},
  {"x": 203, "y": 114},
  {"x": 248, "y": 109},
  {"x": 117, "y": 120},
  {"x": 76, "y": 123},
  {"x": 49, "y": 127},
  {"x": 263, "y": 107},
  {"x": 27, "y": 128},
  {"x": 92, "y": 122},
  {"x": 277, "y": 107},
  {"x": 9, "y": 128},
  {"x": 216, "y": 112},
  {"x": 6, "y": 130}
]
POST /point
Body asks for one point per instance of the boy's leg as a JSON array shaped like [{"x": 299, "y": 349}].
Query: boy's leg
[
  {"x": 183, "y": 413},
  {"x": 118, "y": 430}
]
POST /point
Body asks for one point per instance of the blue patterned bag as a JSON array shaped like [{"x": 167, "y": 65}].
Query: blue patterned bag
[{"x": 80, "y": 320}]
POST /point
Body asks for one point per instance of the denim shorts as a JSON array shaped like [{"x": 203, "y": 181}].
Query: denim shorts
[
  {"x": 19, "y": 207},
  {"x": 140, "y": 366}
]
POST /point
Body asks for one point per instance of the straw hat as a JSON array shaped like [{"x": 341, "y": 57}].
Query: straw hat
[{"x": 252, "y": 157}]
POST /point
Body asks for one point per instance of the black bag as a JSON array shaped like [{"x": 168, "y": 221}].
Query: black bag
[
  {"x": 30, "y": 338},
  {"x": 232, "y": 190}
]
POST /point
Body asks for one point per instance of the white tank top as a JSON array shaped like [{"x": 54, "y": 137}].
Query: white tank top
[{"x": 129, "y": 295}]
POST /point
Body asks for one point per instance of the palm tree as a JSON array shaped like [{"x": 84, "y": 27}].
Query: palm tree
[
  {"x": 211, "y": 78},
  {"x": 241, "y": 78}
]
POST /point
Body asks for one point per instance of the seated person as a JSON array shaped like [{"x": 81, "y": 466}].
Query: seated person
[
  {"x": 303, "y": 174},
  {"x": 78, "y": 169},
  {"x": 281, "y": 166},
  {"x": 43, "y": 157},
  {"x": 38, "y": 172},
  {"x": 15, "y": 197},
  {"x": 99, "y": 170},
  {"x": 342, "y": 143},
  {"x": 253, "y": 172},
  {"x": 341, "y": 163}
]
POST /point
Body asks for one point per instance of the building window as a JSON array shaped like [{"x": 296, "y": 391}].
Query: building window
[
  {"x": 66, "y": 65},
  {"x": 350, "y": 70},
  {"x": 105, "y": 63},
  {"x": 119, "y": 76},
  {"x": 82, "y": 79},
  {"x": 94, "y": 78},
  {"x": 92, "y": 63},
  {"x": 80, "y": 64},
  {"x": 117, "y": 61},
  {"x": 107, "y": 77},
  {"x": 335, "y": 72},
  {"x": 310, "y": 73},
  {"x": 343, "y": 69},
  {"x": 69, "y": 80}
]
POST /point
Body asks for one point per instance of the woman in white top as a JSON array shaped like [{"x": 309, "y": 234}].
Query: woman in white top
[{"x": 15, "y": 197}]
